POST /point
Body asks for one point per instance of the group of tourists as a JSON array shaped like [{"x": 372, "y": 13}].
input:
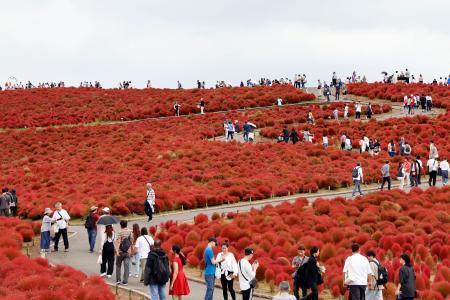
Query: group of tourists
[
  {"x": 407, "y": 77},
  {"x": 58, "y": 222},
  {"x": 409, "y": 170},
  {"x": 292, "y": 135},
  {"x": 14, "y": 85},
  {"x": 86, "y": 84},
  {"x": 9, "y": 202},
  {"x": 233, "y": 128},
  {"x": 412, "y": 102}
]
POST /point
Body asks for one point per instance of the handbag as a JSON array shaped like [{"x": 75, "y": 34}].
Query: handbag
[
  {"x": 99, "y": 259},
  {"x": 253, "y": 283}
]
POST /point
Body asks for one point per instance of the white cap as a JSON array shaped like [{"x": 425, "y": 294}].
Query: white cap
[{"x": 106, "y": 209}]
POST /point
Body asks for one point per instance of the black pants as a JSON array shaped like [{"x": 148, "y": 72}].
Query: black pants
[
  {"x": 388, "y": 180},
  {"x": 414, "y": 180},
  {"x": 357, "y": 292},
  {"x": 227, "y": 285},
  {"x": 297, "y": 287},
  {"x": 58, "y": 234},
  {"x": 314, "y": 292},
  {"x": 247, "y": 294},
  {"x": 13, "y": 210},
  {"x": 107, "y": 265},
  {"x": 432, "y": 179},
  {"x": 150, "y": 214},
  {"x": 358, "y": 115}
]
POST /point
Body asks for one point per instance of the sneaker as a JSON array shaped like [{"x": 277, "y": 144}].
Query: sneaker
[
  {"x": 91, "y": 251},
  {"x": 102, "y": 274},
  {"x": 136, "y": 276},
  {"x": 66, "y": 250},
  {"x": 109, "y": 276},
  {"x": 124, "y": 283},
  {"x": 119, "y": 282},
  {"x": 55, "y": 250}
]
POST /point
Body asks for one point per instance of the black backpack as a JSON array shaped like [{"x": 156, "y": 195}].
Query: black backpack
[
  {"x": 125, "y": 244},
  {"x": 355, "y": 172},
  {"x": 89, "y": 223},
  {"x": 300, "y": 275},
  {"x": 160, "y": 270},
  {"x": 382, "y": 274}
]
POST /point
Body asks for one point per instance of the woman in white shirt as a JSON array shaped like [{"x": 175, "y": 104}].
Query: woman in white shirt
[
  {"x": 247, "y": 273},
  {"x": 226, "y": 271},
  {"x": 142, "y": 246},
  {"x": 444, "y": 171}
]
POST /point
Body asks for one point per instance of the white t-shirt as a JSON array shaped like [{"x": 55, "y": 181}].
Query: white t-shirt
[
  {"x": 143, "y": 244},
  {"x": 62, "y": 224},
  {"x": 284, "y": 296},
  {"x": 325, "y": 140},
  {"x": 444, "y": 165},
  {"x": 229, "y": 264},
  {"x": 249, "y": 274},
  {"x": 360, "y": 173},
  {"x": 357, "y": 268},
  {"x": 432, "y": 164},
  {"x": 358, "y": 107}
]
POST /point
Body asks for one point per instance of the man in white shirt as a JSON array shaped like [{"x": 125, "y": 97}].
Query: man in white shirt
[
  {"x": 433, "y": 166},
  {"x": 357, "y": 274},
  {"x": 143, "y": 244},
  {"x": 61, "y": 218},
  {"x": 358, "y": 109},
  {"x": 247, "y": 273},
  {"x": 444, "y": 170},
  {"x": 357, "y": 176}
]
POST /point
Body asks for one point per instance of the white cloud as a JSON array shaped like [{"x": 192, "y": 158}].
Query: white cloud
[{"x": 51, "y": 40}]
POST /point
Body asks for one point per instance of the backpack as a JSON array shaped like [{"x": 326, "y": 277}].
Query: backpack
[
  {"x": 382, "y": 274},
  {"x": 407, "y": 149},
  {"x": 125, "y": 244},
  {"x": 161, "y": 271},
  {"x": 89, "y": 223},
  {"x": 300, "y": 275},
  {"x": 355, "y": 172}
]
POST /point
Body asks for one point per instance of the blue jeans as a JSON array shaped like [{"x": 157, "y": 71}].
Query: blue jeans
[
  {"x": 357, "y": 187},
  {"x": 444, "y": 174},
  {"x": 209, "y": 286},
  {"x": 137, "y": 258},
  {"x": 245, "y": 136},
  {"x": 92, "y": 235},
  {"x": 157, "y": 291},
  {"x": 45, "y": 240}
]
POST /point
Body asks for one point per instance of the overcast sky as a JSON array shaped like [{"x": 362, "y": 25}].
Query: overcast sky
[{"x": 167, "y": 40}]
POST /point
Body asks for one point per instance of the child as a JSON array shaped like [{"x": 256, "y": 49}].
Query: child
[{"x": 45, "y": 230}]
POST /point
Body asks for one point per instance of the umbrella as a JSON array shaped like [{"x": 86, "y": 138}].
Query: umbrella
[
  {"x": 251, "y": 124},
  {"x": 108, "y": 220}
]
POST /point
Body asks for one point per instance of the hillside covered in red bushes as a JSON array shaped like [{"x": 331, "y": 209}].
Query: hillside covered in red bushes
[{"x": 44, "y": 107}]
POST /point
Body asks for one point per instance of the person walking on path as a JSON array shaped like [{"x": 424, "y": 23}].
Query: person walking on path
[
  {"x": 357, "y": 274},
  {"x": 374, "y": 291},
  {"x": 61, "y": 218},
  {"x": 313, "y": 274},
  {"x": 14, "y": 204},
  {"x": 150, "y": 200},
  {"x": 46, "y": 226},
  {"x": 210, "y": 267},
  {"x": 433, "y": 151},
  {"x": 5, "y": 200},
  {"x": 136, "y": 232},
  {"x": 156, "y": 272},
  {"x": 202, "y": 106},
  {"x": 143, "y": 245},
  {"x": 419, "y": 170},
  {"x": 124, "y": 248},
  {"x": 91, "y": 226},
  {"x": 385, "y": 174},
  {"x": 284, "y": 292},
  {"x": 432, "y": 165},
  {"x": 178, "y": 284},
  {"x": 107, "y": 251},
  {"x": 226, "y": 271},
  {"x": 336, "y": 114},
  {"x": 294, "y": 136},
  {"x": 230, "y": 131},
  {"x": 286, "y": 134},
  {"x": 297, "y": 262},
  {"x": 406, "y": 289},
  {"x": 247, "y": 130},
  {"x": 391, "y": 148},
  {"x": 369, "y": 111},
  {"x": 358, "y": 178},
  {"x": 406, "y": 168},
  {"x": 176, "y": 108},
  {"x": 346, "y": 111},
  {"x": 247, "y": 272},
  {"x": 358, "y": 109},
  {"x": 444, "y": 166}
]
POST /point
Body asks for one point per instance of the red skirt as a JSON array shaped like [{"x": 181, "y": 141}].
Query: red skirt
[{"x": 180, "y": 286}]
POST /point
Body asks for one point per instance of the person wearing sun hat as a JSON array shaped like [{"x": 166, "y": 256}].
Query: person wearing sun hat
[
  {"x": 91, "y": 227},
  {"x": 45, "y": 230}
]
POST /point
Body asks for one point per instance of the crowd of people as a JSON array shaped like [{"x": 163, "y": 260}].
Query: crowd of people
[
  {"x": 407, "y": 77},
  {"x": 233, "y": 128},
  {"x": 412, "y": 103}
]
